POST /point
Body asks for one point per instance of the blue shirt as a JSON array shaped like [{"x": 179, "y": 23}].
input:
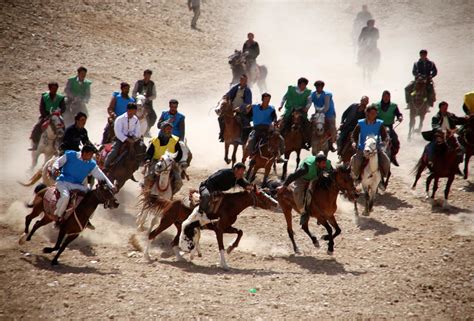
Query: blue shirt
[
  {"x": 175, "y": 120},
  {"x": 121, "y": 103},
  {"x": 367, "y": 130},
  {"x": 75, "y": 170},
  {"x": 319, "y": 103},
  {"x": 262, "y": 116}
]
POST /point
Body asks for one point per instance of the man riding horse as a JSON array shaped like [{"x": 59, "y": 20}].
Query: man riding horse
[
  {"x": 349, "y": 120},
  {"x": 323, "y": 100},
  {"x": 388, "y": 111},
  {"x": 297, "y": 98},
  {"x": 127, "y": 130},
  {"x": 78, "y": 93},
  {"x": 71, "y": 169},
  {"x": 263, "y": 116},
  {"x": 311, "y": 169},
  {"x": 426, "y": 69},
  {"x": 251, "y": 50},
  {"x": 164, "y": 142},
  {"x": 367, "y": 41},
  {"x": 50, "y": 101},
  {"x": 240, "y": 96},
  {"x": 175, "y": 118},
  {"x": 76, "y": 134},
  {"x": 367, "y": 127},
  {"x": 147, "y": 87},
  {"x": 117, "y": 107}
]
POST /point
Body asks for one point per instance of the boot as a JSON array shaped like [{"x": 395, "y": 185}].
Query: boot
[
  {"x": 34, "y": 146},
  {"x": 90, "y": 226},
  {"x": 331, "y": 147}
]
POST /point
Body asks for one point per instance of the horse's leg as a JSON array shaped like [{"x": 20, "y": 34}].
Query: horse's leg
[
  {"x": 239, "y": 233},
  {"x": 422, "y": 118},
  {"x": 220, "y": 242},
  {"x": 367, "y": 198},
  {"x": 249, "y": 174},
  {"x": 165, "y": 222},
  {"x": 467, "y": 156},
  {"x": 387, "y": 179},
  {"x": 330, "y": 238},
  {"x": 298, "y": 158},
  {"x": 226, "y": 152},
  {"x": 175, "y": 243},
  {"x": 411, "y": 124},
  {"x": 285, "y": 167},
  {"x": 289, "y": 227},
  {"x": 428, "y": 183},
  {"x": 435, "y": 187},
  {"x": 446, "y": 191},
  {"x": 234, "y": 154},
  {"x": 44, "y": 221},
  {"x": 333, "y": 222},
  {"x": 268, "y": 168},
  {"x": 418, "y": 173},
  {"x": 66, "y": 242},
  {"x": 56, "y": 247},
  {"x": 311, "y": 235}
]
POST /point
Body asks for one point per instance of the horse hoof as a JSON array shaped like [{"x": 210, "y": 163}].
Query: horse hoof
[
  {"x": 330, "y": 253},
  {"x": 182, "y": 259},
  {"x": 224, "y": 267},
  {"x": 48, "y": 250},
  {"x": 229, "y": 249},
  {"x": 325, "y": 237},
  {"x": 297, "y": 251},
  {"x": 365, "y": 213},
  {"x": 227, "y": 161},
  {"x": 316, "y": 244},
  {"x": 22, "y": 239},
  {"x": 54, "y": 262},
  {"x": 446, "y": 205}
]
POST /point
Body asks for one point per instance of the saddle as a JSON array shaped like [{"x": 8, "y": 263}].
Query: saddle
[
  {"x": 102, "y": 155},
  {"x": 52, "y": 196},
  {"x": 45, "y": 124},
  {"x": 193, "y": 200}
]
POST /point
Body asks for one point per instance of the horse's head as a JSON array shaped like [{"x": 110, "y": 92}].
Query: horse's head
[
  {"x": 345, "y": 183},
  {"x": 106, "y": 195},
  {"x": 318, "y": 120},
  {"x": 235, "y": 58},
  {"x": 57, "y": 123},
  {"x": 296, "y": 119},
  {"x": 263, "y": 200},
  {"x": 370, "y": 148},
  {"x": 439, "y": 137},
  {"x": 224, "y": 106},
  {"x": 139, "y": 150},
  {"x": 165, "y": 164}
]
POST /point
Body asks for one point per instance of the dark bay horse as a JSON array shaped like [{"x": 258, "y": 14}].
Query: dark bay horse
[
  {"x": 347, "y": 150},
  {"x": 238, "y": 64},
  {"x": 232, "y": 129},
  {"x": 444, "y": 164},
  {"x": 466, "y": 138},
  {"x": 294, "y": 139},
  {"x": 418, "y": 105},
  {"x": 323, "y": 204},
  {"x": 73, "y": 224}
]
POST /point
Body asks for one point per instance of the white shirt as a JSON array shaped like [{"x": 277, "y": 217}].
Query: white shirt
[
  {"x": 445, "y": 123},
  {"x": 96, "y": 172},
  {"x": 125, "y": 127}
]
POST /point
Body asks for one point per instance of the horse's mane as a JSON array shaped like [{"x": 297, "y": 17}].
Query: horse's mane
[{"x": 343, "y": 168}]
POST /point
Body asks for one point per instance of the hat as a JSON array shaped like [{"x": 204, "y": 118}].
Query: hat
[
  {"x": 173, "y": 101},
  {"x": 166, "y": 123}
]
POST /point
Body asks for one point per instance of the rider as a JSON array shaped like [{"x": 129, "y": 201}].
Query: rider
[
  {"x": 78, "y": 89},
  {"x": 427, "y": 69},
  {"x": 76, "y": 134},
  {"x": 468, "y": 106},
  {"x": 147, "y": 87},
  {"x": 366, "y": 127},
  {"x": 349, "y": 120},
  {"x": 49, "y": 102},
  {"x": 387, "y": 112},
  {"x": 174, "y": 117},
  {"x": 117, "y": 107},
  {"x": 322, "y": 100},
  {"x": 297, "y": 98},
  {"x": 263, "y": 115},
  {"x": 165, "y": 141},
  {"x": 310, "y": 169},
  {"x": 252, "y": 51},
  {"x": 126, "y": 129},
  {"x": 368, "y": 38},
  {"x": 239, "y": 96},
  {"x": 220, "y": 181},
  {"x": 75, "y": 167}
]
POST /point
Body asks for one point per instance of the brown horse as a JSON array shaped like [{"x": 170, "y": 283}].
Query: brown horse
[
  {"x": 265, "y": 157},
  {"x": 347, "y": 151},
  {"x": 445, "y": 164},
  {"x": 73, "y": 224},
  {"x": 323, "y": 205},
  {"x": 294, "y": 139},
  {"x": 231, "y": 206},
  {"x": 418, "y": 105},
  {"x": 232, "y": 129},
  {"x": 466, "y": 138}
]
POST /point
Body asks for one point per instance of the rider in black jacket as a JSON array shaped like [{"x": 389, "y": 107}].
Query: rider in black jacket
[{"x": 76, "y": 134}]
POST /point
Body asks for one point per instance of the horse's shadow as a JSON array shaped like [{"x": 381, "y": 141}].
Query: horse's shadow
[
  {"x": 320, "y": 266},
  {"x": 369, "y": 223},
  {"x": 469, "y": 187},
  {"x": 391, "y": 202},
  {"x": 451, "y": 210},
  {"x": 44, "y": 263}
]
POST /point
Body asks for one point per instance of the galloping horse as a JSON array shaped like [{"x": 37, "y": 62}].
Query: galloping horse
[
  {"x": 142, "y": 113},
  {"x": 294, "y": 139},
  {"x": 73, "y": 106},
  {"x": 370, "y": 175},
  {"x": 73, "y": 224},
  {"x": 319, "y": 135},
  {"x": 466, "y": 138},
  {"x": 231, "y": 206},
  {"x": 50, "y": 139},
  {"x": 323, "y": 205},
  {"x": 232, "y": 130},
  {"x": 239, "y": 66},
  {"x": 369, "y": 60},
  {"x": 418, "y": 105},
  {"x": 347, "y": 150},
  {"x": 445, "y": 164}
]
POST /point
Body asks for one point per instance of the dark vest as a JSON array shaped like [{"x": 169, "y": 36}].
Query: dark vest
[{"x": 149, "y": 89}]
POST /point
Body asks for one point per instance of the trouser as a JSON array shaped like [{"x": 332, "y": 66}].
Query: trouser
[
  {"x": 358, "y": 159},
  {"x": 395, "y": 141},
  {"x": 37, "y": 130},
  {"x": 343, "y": 135},
  {"x": 332, "y": 129},
  {"x": 204, "y": 199},
  {"x": 113, "y": 153},
  {"x": 221, "y": 122},
  {"x": 197, "y": 13},
  {"x": 300, "y": 194},
  {"x": 64, "y": 189},
  {"x": 151, "y": 116}
]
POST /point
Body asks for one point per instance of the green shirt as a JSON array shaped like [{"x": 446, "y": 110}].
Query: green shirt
[
  {"x": 295, "y": 100},
  {"x": 388, "y": 117},
  {"x": 79, "y": 89},
  {"x": 313, "y": 169},
  {"x": 51, "y": 105}
]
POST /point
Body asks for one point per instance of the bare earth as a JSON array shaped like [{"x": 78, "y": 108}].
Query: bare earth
[{"x": 407, "y": 260}]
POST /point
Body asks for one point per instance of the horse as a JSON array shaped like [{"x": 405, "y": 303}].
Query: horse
[
  {"x": 294, "y": 139},
  {"x": 369, "y": 60},
  {"x": 466, "y": 138},
  {"x": 73, "y": 106},
  {"x": 142, "y": 113},
  {"x": 44, "y": 173},
  {"x": 347, "y": 151},
  {"x": 126, "y": 163},
  {"x": 418, "y": 105},
  {"x": 73, "y": 224},
  {"x": 51, "y": 138},
  {"x": 323, "y": 204},
  {"x": 319, "y": 135},
  {"x": 267, "y": 153},
  {"x": 445, "y": 164},
  {"x": 370, "y": 174},
  {"x": 231, "y": 206},
  {"x": 239, "y": 65},
  {"x": 232, "y": 130}
]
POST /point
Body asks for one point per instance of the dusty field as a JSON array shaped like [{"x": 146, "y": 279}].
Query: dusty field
[{"x": 407, "y": 260}]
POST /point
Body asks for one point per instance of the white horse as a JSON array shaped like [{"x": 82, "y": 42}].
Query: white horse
[
  {"x": 50, "y": 139},
  {"x": 371, "y": 175},
  {"x": 73, "y": 106},
  {"x": 142, "y": 113},
  {"x": 320, "y": 137}
]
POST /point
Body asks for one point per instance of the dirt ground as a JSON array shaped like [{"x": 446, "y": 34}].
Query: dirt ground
[{"x": 408, "y": 260}]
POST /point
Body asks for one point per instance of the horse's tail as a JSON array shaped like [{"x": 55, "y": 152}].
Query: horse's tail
[
  {"x": 36, "y": 176},
  {"x": 38, "y": 189},
  {"x": 263, "y": 70},
  {"x": 417, "y": 167}
]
